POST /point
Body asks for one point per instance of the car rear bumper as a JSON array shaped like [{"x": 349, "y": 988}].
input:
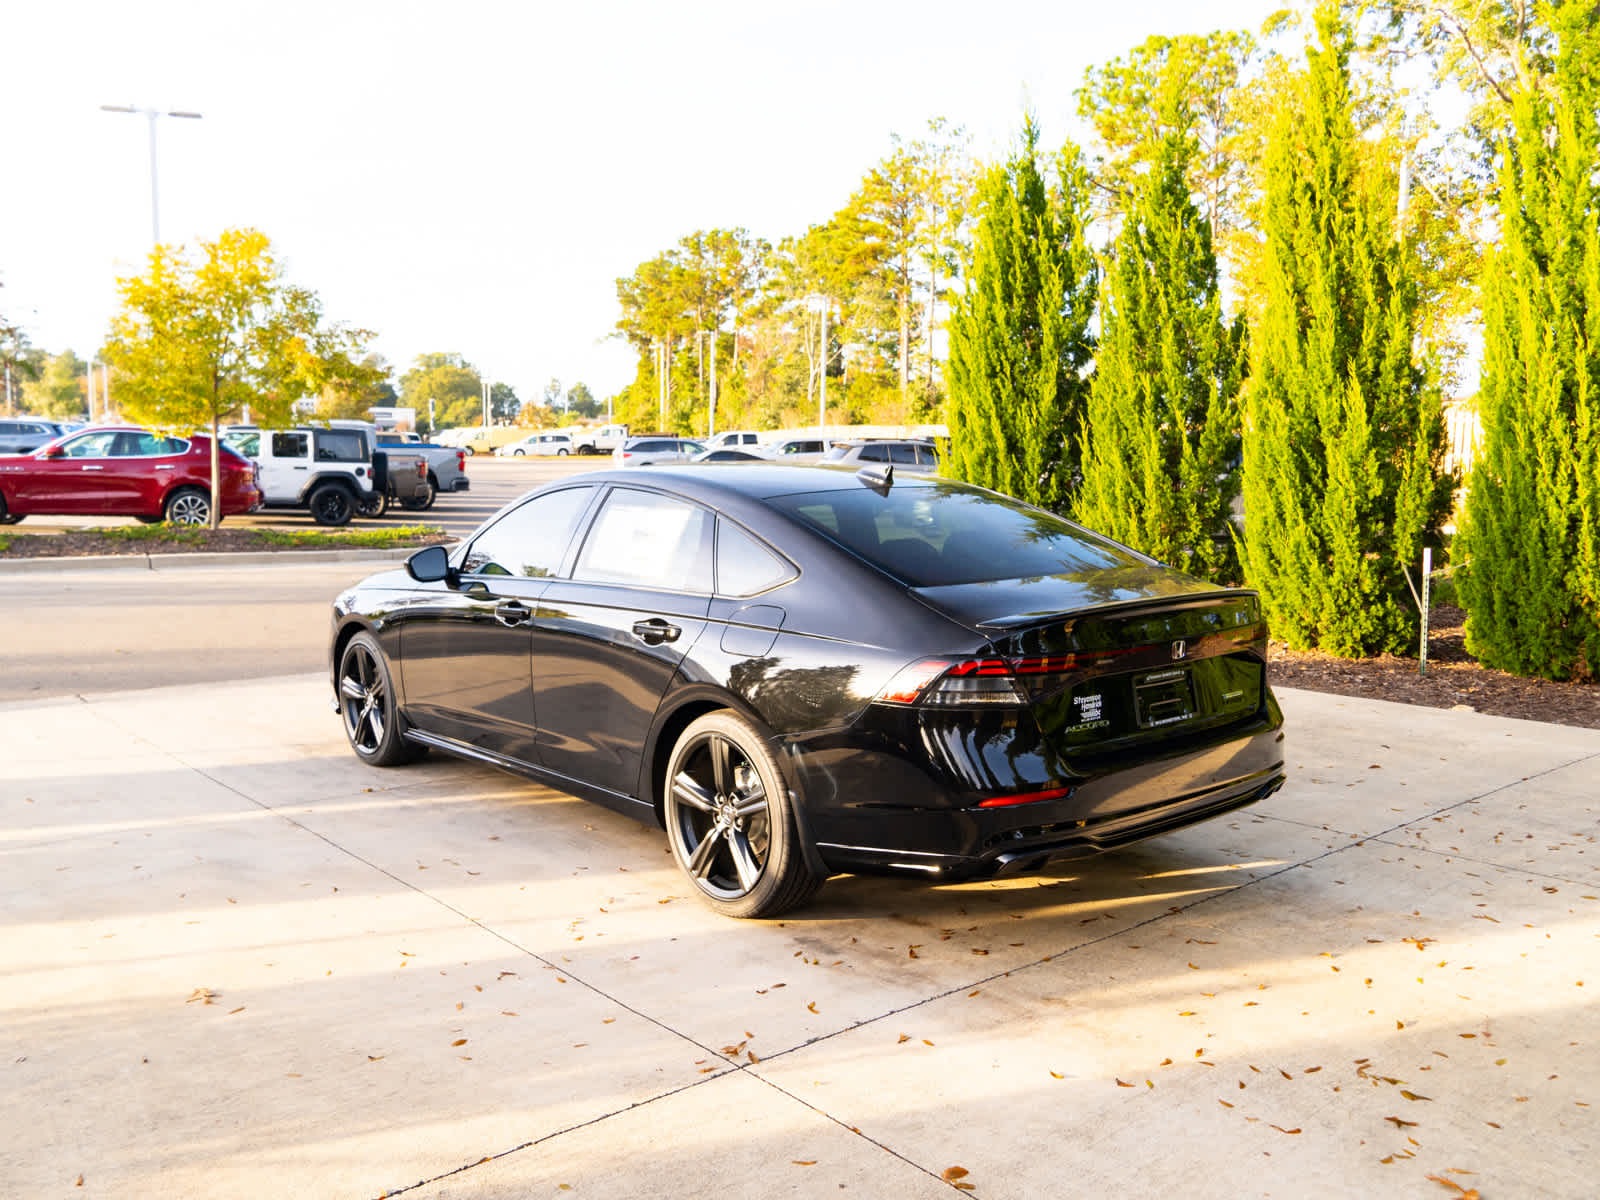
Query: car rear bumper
[
  {"x": 461, "y": 484},
  {"x": 874, "y": 810}
]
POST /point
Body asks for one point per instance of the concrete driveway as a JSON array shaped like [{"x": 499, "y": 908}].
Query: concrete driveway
[{"x": 236, "y": 962}]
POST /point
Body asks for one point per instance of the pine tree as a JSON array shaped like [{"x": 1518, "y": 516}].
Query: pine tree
[
  {"x": 1531, "y": 538},
  {"x": 1019, "y": 336},
  {"x": 1343, "y": 432},
  {"x": 1163, "y": 417}
]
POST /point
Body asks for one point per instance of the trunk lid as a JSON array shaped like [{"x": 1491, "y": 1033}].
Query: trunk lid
[{"x": 1116, "y": 659}]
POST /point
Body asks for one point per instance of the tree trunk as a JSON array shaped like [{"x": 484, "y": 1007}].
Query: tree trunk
[{"x": 216, "y": 479}]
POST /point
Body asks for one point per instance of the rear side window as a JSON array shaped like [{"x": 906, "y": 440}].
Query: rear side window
[
  {"x": 927, "y": 456},
  {"x": 341, "y": 445},
  {"x": 643, "y": 539},
  {"x": 944, "y": 534},
  {"x": 874, "y": 454},
  {"x": 290, "y": 445},
  {"x": 531, "y": 540},
  {"x": 744, "y": 566},
  {"x": 905, "y": 455}
]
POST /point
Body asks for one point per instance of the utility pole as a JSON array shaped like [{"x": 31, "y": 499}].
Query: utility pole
[
  {"x": 822, "y": 391},
  {"x": 713, "y": 418},
  {"x": 155, "y": 194}
]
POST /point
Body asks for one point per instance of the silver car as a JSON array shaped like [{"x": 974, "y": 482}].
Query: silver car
[
  {"x": 914, "y": 457},
  {"x": 648, "y": 451},
  {"x": 797, "y": 451}
]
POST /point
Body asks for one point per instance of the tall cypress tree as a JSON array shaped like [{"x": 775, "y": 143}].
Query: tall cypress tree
[
  {"x": 1343, "y": 432},
  {"x": 1531, "y": 537},
  {"x": 1163, "y": 417},
  {"x": 1019, "y": 336}
]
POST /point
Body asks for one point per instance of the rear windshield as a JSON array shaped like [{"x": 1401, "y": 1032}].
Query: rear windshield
[{"x": 942, "y": 534}]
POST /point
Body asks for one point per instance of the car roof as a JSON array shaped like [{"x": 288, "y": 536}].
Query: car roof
[{"x": 755, "y": 480}]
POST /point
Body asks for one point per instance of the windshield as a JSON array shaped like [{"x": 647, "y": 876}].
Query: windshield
[{"x": 945, "y": 534}]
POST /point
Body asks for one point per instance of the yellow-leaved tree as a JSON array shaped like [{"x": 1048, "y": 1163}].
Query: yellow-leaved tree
[{"x": 200, "y": 336}]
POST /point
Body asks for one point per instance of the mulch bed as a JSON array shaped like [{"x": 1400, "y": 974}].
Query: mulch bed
[
  {"x": 75, "y": 542},
  {"x": 1454, "y": 679}
]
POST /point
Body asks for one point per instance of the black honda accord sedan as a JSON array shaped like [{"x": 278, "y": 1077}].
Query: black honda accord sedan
[{"x": 800, "y": 671}]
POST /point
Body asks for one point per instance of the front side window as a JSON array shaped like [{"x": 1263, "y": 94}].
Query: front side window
[
  {"x": 531, "y": 540},
  {"x": 642, "y": 539},
  {"x": 91, "y": 445},
  {"x": 904, "y": 455},
  {"x": 874, "y": 453}
]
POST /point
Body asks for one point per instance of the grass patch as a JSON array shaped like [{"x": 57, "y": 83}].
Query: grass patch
[
  {"x": 379, "y": 539},
  {"x": 5, "y": 542},
  {"x": 191, "y": 535}
]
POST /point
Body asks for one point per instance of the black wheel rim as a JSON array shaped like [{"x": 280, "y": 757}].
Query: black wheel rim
[
  {"x": 362, "y": 699},
  {"x": 722, "y": 815},
  {"x": 331, "y": 506}
]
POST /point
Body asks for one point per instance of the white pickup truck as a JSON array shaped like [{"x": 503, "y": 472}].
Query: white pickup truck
[{"x": 599, "y": 441}]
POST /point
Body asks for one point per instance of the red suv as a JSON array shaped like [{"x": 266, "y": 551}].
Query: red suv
[{"x": 126, "y": 472}]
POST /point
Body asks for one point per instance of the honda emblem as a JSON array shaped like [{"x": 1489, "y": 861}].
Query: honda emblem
[{"x": 1178, "y": 649}]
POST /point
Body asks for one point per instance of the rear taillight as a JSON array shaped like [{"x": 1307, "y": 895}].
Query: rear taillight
[
  {"x": 960, "y": 683},
  {"x": 943, "y": 683},
  {"x": 461, "y": 460}
]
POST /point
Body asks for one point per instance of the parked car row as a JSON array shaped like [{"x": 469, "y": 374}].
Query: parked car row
[
  {"x": 113, "y": 470},
  {"x": 648, "y": 450},
  {"x": 333, "y": 472}
]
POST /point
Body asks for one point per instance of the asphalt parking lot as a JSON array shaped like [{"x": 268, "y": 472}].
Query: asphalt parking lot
[{"x": 237, "y": 962}]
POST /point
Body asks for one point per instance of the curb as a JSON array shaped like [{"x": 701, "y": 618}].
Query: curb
[{"x": 198, "y": 559}]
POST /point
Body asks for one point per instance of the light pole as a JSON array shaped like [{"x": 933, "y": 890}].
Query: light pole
[
  {"x": 821, "y": 305},
  {"x": 151, "y": 114}
]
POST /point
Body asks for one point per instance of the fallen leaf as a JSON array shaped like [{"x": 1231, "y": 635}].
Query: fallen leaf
[
  {"x": 1057, "y": 1075},
  {"x": 812, "y": 1007},
  {"x": 1413, "y": 1095},
  {"x": 1120, "y": 1083},
  {"x": 204, "y": 995},
  {"x": 1224, "y": 1104},
  {"x": 804, "y": 1162},
  {"x": 506, "y": 1012},
  {"x": 240, "y": 1009},
  {"x": 1400, "y": 1124},
  {"x": 1281, "y": 1129},
  {"x": 751, "y": 1055},
  {"x": 374, "y": 1058},
  {"x": 951, "y": 1174},
  {"x": 904, "y": 1037},
  {"x": 459, "y": 1042}
]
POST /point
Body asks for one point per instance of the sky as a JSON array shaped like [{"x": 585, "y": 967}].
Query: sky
[{"x": 474, "y": 177}]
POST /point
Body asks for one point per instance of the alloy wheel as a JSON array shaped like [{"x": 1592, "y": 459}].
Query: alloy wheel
[
  {"x": 189, "y": 508},
  {"x": 362, "y": 699},
  {"x": 722, "y": 815}
]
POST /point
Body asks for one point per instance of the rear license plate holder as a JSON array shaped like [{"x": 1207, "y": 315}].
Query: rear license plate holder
[{"x": 1163, "y": 698}]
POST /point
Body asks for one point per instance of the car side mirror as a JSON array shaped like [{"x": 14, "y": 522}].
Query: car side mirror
[
  {"x": 430, "y": 565},
  {"x": 53, "y": 452}
]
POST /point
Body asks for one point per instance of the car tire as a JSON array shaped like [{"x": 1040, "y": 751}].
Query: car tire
[
  {"x": 426, "y": 503},
  {"x": 730, "y": 820},
  {"x": 561, "y": 453},
  {"x": 372, "y": 721},
  {"x": 470, "y": 451},
  {"x": 188, "y": 506},
  {"x": 516, "y": 454},
  {"x": 149, "y": 520},
  {"x": 331, "y": 504},
  {"x": 374, "y": 506},
  {"x": 6, "y": 517}
]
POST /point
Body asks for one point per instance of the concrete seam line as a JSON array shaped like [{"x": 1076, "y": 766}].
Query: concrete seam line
[{"x": 1481, "y": 862}]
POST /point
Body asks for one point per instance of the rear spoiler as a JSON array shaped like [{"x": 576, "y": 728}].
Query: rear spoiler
[{"x": 1167, "y": 603}]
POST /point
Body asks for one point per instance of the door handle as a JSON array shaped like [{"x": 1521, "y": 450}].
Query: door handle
[
  {"x": 166, "y": 467},
  {"x": 94, "y": 468},
  {"x": 301, "y": 468},
  {"x": 512, "y": 613},
  {"x": 655, "y": 631}
]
